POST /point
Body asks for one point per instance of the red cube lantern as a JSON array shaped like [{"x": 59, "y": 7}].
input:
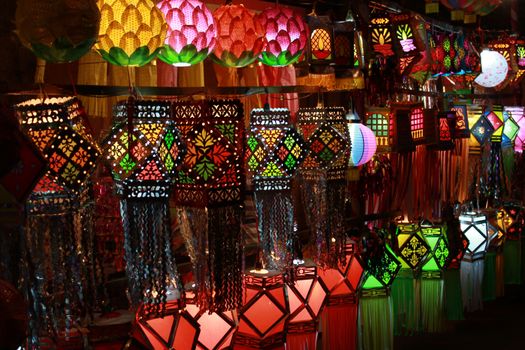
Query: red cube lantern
[{"x": 264, "y": 313}]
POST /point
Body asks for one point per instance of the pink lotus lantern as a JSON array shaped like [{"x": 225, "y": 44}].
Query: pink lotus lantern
[
  {"x": 241, "y": 38},
  {"x": 286, "y": 34},
  {"x": 191, "y": 32}
]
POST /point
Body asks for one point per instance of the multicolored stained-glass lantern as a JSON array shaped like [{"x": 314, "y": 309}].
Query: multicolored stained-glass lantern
[
  {"x": 131, "y": 31},
  {"x": 240, "y": 38},
  {"x": 344, "y": 45},
  {"x": 413, "y": 249},
  {"x": 444, "y": 53},
  {"x": 264, "y": 313},
  {"x": 363, "y": 143},
  {"x": 494, "y": 116},
  {"x": 192, "y": 32},
  {"x": 144, "y": 149},
  {"x": 378, "y": 120},
  {"x": 462, "y": 124},
  {"x": 321, "y": 47},
  {"x": 208, "y": 193},
  {"x": 274, "y": 152},
  {"x": 475, "y": 228},
  {"x": 381, "y": 34},
  {"x": 439, "y": 255},
  {"x": 510, "y": 129},
  {"x": 518, "y": 114},
  {"x": 481, "y": 129},
  {"x": 439, "y": 129},
  {"x": 306, "y": 298},
  {"x": 322, "y": 176},
  {"x": 286, "y": 36},
  {"x": 58, "y": 31},
  {"x": 494, "y": 69}
]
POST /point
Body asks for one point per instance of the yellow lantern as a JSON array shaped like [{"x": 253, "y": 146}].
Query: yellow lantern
[{"x": 131, "y": 31}]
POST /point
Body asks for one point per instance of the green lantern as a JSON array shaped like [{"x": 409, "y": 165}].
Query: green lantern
[{"x": 436, "y": 239}]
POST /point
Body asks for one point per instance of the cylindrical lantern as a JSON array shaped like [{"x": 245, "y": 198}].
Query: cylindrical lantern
[
  {"x": 264, "y": 313},
  {"x": 144, "y": 149},
  {"x": 494, "y": 69},
  {"x": 192, "y": 32},
  {"x": 131, "y": 31},
  {"x": 363, "y": 143},
  {"x": 58, "y": 30},
  {"x": 240, "y": 38},
  {"x": 286, "y": 36}
]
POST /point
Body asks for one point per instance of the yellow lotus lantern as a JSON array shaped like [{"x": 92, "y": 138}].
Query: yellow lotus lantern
[{"x": 131, "y": 31}]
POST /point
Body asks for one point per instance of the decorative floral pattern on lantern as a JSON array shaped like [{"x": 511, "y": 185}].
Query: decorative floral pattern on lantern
[
  {"x": 381, "y": 34},
  {"x": 378, "y": 120},
  {"x": 494, "y": 69},
  {"x": 240, "y": 38},
  {"x": 192, "y": 32},
  {"x": 444, "y": 53},
  {"x": 439, "y": 255},
  {"x": 131, "y": 31},
  {"x": 512, "y": 219},
  {"x": 518, "y": 114},
  {"x": 413, "y": 249},
  {"x": 380, "y": 270},
  {"x": 475, "y": 228},
  {"x": 265, "y": 311},
  {"x": 56, "y": 128},
  {"x": 407, "y": 44},
  {"x": 286, "y": 36},
  {"x": 58, "y": 31},
  {"x": 520, "y": 53}
]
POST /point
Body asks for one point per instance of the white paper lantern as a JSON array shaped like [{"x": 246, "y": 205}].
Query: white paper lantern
[{"x": 494, "y": 69}]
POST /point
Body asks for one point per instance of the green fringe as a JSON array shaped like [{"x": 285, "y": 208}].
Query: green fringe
[
  {"x": 432, "y": 305},
  {"x": 512, "y": 268},
  {"x": 453, "y": 298},
  {"x": 406, "y": 299},
  {"x": 489, "y": 277},
  {"x": 375, "y": 323}
]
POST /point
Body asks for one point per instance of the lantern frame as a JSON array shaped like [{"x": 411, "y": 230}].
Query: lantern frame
[
  {"x": 345, "y": 45},
  {"x": 438, "y": 243},
  {"x": 412, "y": 247},
  {"x": 461, "y": 131},
  {"x": 381, "y": 34},
  {"x": 439, "y": 129},
  {"x": 378, "y": 278},
  {"x": 379, "y": 120},
  {"x": 469, "y": 223},
  {"x": 320, "y": 28}
]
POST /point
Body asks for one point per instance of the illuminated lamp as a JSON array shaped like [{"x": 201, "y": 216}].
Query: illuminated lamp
[
  {"x": 439, "y": 255},
  {"x": 363, "y": 143},
  {"x": 144, "y": 149},
  {"x": 519, "y": 53},
  {"x": 57, "y": 31},
  {"x": 344, "y": 45},
  {"x": 510, "y": 129},
  {"x": 412, "y": 247},
  {"x": 407, "y": 44},
  {"x": 322, "y": 178},
  {"x": 191, "y": 32},
  {"x": 208, "y": 191},
  {"x": 462, "y": 124},
  {"x": 306, "y": 297},
  {"x": 481, "y": 129},
  {"x": 409, "y": 119},
  {"x": 439, "y": 129},
  {"x": 444, "y": 53},
  {"x": 131, "y": 31},
  {"x": 240, "y": 38},
  {"x": 264, "y": 313},
  {"x": 381, "y": 34},
  {"x": 378, "y": 120},
  {"x": 475, "y": 228},
  {"x": 339, "y": 318},
  {"x": 417, "y": 122},
  {"x": 494, "y": 69},
  {"x": 55, "y": 213},
  {"x": 321, "y": 47},
  {"x": 286, "y": 36},
  {"x": 494, "y": 116},
  {"x": 518, "y": 115},
  {"x": 274, "y": 152}
]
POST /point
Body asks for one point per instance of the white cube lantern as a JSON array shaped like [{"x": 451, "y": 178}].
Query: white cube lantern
[{"x": 474, "y": 226}]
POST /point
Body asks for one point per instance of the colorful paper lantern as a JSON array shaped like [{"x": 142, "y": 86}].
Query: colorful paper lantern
[
  {"x": 475, "y": 228},
  {"x": 494, "y": 116},
  {"x": 240, "y": 37},
  {"x": 520, "y": 53},
  {"x": 363, "y": 143},
  {"x": 286, "y": 36},
  {"x": 208, "y": 192},
  {"x": 378, "y": 120},
  {"x": 321, "y": 47},
  {"x": 413, "y": 249},
  {"x": 481, "y": 130},
  {"x": 380, "y": 271},
  {"x": 274, "y": 152},
  {"x": 344, "y": 45},
  {"x": 191, "y": 34},
  {"x": 494, "y": 69},
  {"x": 381, "y": 34},
  {"x": 439, "y": 129},
  {"x": 439, "y": 255},
  {"x": 510, "y": 129},
  {"x": 518, "y": 114},
  {"x": 462, "y": 124},
  {"x": 457, "y": 7},
  {"x": 144, "y": 149},
  {"x": 444, "y": 53},
  {"x": 58, "y": 31},
  {"x": 131, "y": 31},
  {"x": 407, "y": 44},
  {"x": 264, "y": 313}
]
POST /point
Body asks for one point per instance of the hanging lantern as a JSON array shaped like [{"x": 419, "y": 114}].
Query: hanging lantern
[
  {"x": 191, "y": 32},
  {"x": 464, "y": 61},
  {"x": 495, "y": 117},
  {"x": 474, "y": 226},
  {"x": 58, "y": 31},
  {"x": 321, "y": 41},
  {"x": 144, "y": 149},
  {"x": 462, "y": 124},
  {"x": 494, "y": 69},
  {"x": 306, "y": 298},
  {"x": 408, "y": 119},
  {"x": 380, "y": 272},
  {"x": 344, "y": 45},
  {"x": 131, "y": 31},
  {"x": 518, "y": 115},
  {"x": 208, "y": 193},
  {"x": 520, "y": 53},
  {"x": 513, "y": 220},
  {"x": 286, "y": 36},
  {"x": 240, "y": 38},
  {"x": 274, "y": 152},
  {"x": 481, "y": 130},
  {"x": 381, "y": 34},
  {"x": 444, "y": 53},
  {"x": 413, "y": 249},
  {"x": 439, "y": 255},
  {"x": 363, "y": 143},
  {"x": 265, "y": 311},
  {"x": 58, "y": 218},
  {"x": 378, "y": 120},
  {"x": 510, "y": 129},
  {"x": 407, "y": 44},
  {"x": 439, "y": 129},
  {"x": 483, "y": 8},
  {"x": 322, "y": 176}
]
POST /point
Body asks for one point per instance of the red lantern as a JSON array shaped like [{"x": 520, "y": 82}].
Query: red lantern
[
  {"x": 306, "y": 297},
  {"x": 286, "y": 34},
  {"x": 265, "y": 311},
  {"x": 240, "y": 37},
  {"x": 407, "y": 125},
  {"x": 439, "y": 129}
]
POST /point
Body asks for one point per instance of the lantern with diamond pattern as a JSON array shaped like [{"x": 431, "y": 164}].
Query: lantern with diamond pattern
[
  {"x": 518, "y": 115},
  {"x": 274, "y": 152},
  {"x": 144, "y": 149},
  {"x": 481, "y": 128}
]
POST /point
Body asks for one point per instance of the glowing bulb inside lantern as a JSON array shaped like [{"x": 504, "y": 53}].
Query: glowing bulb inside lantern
[{"x": 259, "y": 271}]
